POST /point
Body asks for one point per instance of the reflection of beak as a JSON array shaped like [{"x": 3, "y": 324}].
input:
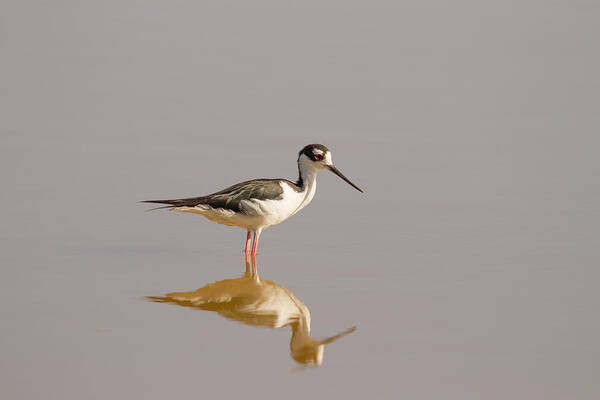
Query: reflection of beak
[
  {"x": 336, "y": 171},
  {"x": 339, "y": 335}
]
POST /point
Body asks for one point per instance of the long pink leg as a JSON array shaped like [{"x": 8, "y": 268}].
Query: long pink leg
[
  {"x": 248, "y": 263},
  {"x": 254, "y": 267},
  {"x": 255, "y": 244},
  {"x": 248, "y": 239}
]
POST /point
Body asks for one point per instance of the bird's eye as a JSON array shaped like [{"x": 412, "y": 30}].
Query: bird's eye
[{"x": 318, "y": 157}]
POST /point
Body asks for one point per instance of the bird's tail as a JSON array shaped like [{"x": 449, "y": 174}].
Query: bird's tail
[
  {"x": 170, "y": 204},
  {"x": 187, "y": 202}
]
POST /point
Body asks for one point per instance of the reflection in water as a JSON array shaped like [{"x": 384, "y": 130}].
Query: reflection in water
[{"x": 254, "y": 301}]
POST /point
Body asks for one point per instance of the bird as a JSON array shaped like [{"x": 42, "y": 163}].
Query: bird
[
  {"x": 254, "y": 301},
  {"x": 257, "y": 204}
]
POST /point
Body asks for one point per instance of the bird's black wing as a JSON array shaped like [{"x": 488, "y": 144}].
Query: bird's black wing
[{"x": 230, "y": 198}]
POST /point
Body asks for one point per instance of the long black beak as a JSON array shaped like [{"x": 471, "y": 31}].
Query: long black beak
[{"x": 336, "y": 171}]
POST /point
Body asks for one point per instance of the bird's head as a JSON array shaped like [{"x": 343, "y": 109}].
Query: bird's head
[{"x": 317, "y": 156}]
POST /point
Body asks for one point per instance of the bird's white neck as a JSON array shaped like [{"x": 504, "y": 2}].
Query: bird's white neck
[
  {"x": 307, "y": 183},
  {"x": 308, "y": 174}
]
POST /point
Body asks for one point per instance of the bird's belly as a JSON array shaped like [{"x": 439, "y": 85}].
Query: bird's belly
[
  {"x": 255, "y": 214},
  {"x": 272, "y": 212},
  {"x": 223, "y": 216}
]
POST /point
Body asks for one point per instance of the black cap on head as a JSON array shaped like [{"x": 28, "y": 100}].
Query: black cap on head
[{"x": 315, "y": 152}]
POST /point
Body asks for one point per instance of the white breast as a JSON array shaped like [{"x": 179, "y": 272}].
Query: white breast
[
  {"x": 272, "y": 212},
  {"x": 259, "y": 214}
]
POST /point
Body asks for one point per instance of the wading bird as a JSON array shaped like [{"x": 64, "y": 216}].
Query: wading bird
[{"x": 260, "y": 203}]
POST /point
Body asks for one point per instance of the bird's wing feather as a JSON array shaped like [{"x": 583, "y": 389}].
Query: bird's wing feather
[{"x": 231, "y": 197}]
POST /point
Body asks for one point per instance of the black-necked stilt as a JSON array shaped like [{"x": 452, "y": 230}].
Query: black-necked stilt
[
  {"x": 254, "y": 301},
  {"x": 260, "y": 203}
]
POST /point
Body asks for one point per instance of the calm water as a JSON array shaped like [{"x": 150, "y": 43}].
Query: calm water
[{"x": 469, "y": 266}]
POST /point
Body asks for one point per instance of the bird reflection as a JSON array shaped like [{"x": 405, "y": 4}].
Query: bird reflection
[{"x": 254, "y": 301}]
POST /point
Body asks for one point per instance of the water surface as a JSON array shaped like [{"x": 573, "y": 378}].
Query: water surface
[{"x": 469, "y": 266}]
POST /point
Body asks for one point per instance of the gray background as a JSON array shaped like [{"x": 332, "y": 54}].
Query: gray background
[{"x": 470, "y": 264}]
